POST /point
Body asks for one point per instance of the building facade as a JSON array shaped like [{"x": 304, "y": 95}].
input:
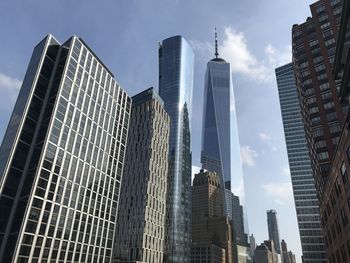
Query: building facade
[
  {"x": 211, "y": 229},
  {"x": 176, "y": 62},
  {"x": 62, "y": 158},
  {"x": 314, "y": 44},
  {"x": 304, "y": 190},
  {"x": 140, "y": 231},
  {"x": 272, "y": 226},
  {"x": 216, "y": 135},
  {"x": 335, "y": 205},
  {"x": 263, "y": 254}
]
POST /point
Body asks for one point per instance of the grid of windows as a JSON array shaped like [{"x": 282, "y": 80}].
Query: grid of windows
[{"x": 72, "y": 210}]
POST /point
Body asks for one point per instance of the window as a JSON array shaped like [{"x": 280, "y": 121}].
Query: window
[
  {"x": 311, "y": 100},
  {"x": 344, "y": 173},
  {"x": 328, "y": 105},
  {"x": 337, "y": 186},
  {"x": 313, "y": 110},
  {"x": 322, "y": 17},
  {"x": 324, "y": 86},
  {"x": 332, "y": 116},
  {"x": 318, "y": 132},
  {"x": 320, "y": 8},
  {"x": 321, "y": 144},
  {"x": 344, "y": 217},
  {"x": 323, "y": 156},
  {"x": 315, "y": 120},
  {"x": 334, "y": 128}
]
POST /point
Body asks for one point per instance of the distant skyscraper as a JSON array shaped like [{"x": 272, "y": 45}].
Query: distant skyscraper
[
  {"x": 252, "y": 243},
  {"x": 211, "y": 230},
  {"x": 305, "y": 196},
  {"x": 141, "y": 219},
  {"x": 176, "y": 62},
  {"x": 216, "y": 136},
  {"x": 273, "y": 230},
  {"x": 62, "y": 158},
  {"x": 235, "y": 212}
]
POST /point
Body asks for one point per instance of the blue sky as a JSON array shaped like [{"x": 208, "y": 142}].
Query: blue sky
[{"x": 254, "y": 36}]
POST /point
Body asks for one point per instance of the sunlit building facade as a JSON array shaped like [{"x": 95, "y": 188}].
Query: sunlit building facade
[
  {"x": 176, "y": 63},
  {"x": 303, "y": 183},
  {"x": 140, "y": 230},
  {"x": 62, "y": 158}
]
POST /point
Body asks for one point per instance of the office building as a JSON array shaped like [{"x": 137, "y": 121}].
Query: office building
[
  {"x": 176, "y": 62},
  {"x": 211, "y": 230},
  {"x": 235, "y": 212},
  {"x": 272, "y": 226},
  {"x": 62, "y": 158},
  {"x": 314, "y": 44},
  {"x": 335, "y": 205},
  {"x": 216, "y": 135},
  {"x": 140, "y": 231},
  {"x": 303, "y": 183},
  {"x": 264, "y": 253}
]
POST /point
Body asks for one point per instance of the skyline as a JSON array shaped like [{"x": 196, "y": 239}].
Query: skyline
[{"x": 259, "y": 146}]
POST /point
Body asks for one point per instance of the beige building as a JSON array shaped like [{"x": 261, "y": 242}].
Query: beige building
[
  {"x": 141, "y": 219},
  {"x": 211, "y": 231}
]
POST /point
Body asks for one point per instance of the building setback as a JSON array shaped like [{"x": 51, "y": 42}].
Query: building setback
[
  {"x": 304, "y": 190},
  {"x": 142, "y": 208},
  {"x": 211, "y": 230},
  {"x": 335, "y": 205},
  {"x": 176, "y": 62},
  {"x": 62, "y": 158}
]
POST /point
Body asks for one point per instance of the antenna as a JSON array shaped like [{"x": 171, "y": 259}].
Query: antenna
[{"x": 216, "y": 44}]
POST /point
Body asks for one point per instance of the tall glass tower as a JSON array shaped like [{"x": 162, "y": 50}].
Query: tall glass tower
[
  {"x": 216, "y": 146},
  {"x": 176, "y": 62},
  {"x": 303, "y": 182},
  {"x": 61, "y": 159}
]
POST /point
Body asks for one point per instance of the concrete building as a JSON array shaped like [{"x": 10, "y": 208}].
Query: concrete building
[
  {"x": 141, "y": 221},
  {"x": 301, "y": 169},
  {"x": 212, "y": 239},
  {"x": 62, "y": 157},
  {"x": 176, "y": 63}
]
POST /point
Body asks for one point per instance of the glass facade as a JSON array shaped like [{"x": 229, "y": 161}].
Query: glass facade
[
  {"x": 305, "y": 196},
  {"x": 216, "y": 147},
  {"x": 176, "y": 62},
  {"x": 68, "y": 171}
]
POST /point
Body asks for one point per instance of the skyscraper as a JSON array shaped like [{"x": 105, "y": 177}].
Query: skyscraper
[
  {"x": 273, "y": 229},
  {"x": 216, "y": 135},
  {"x": 176, "y": 62},
  {"x": 140, "y": 231},
  {"x": 305, "y": 196},
  {"x": 212, "y": 239},
  {"x": 314, "y": 44},
  {"x": 62, "y": 158}
]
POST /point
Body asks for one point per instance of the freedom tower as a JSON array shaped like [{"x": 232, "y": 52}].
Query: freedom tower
[{"x": 216, "y": 154}]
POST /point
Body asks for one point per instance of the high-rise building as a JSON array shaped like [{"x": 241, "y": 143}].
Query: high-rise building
[
  {"x": 62, "y": 158},
  {"x": 335, "y": 205},
  {"x": 252, "y": 244},
  {"x": 235, "y": 212},
  {"x": 264, "y": 253},
  {"x": 140, "y": 231},
  {"x": 216, "y": 135},
  {"x": 272, "y": 226},
  {"x": 305, "y": 196},
  {"x": 314, "y": 44},
  {"x": 211, "y": 229},
  {"x": 176, "y": 62}
]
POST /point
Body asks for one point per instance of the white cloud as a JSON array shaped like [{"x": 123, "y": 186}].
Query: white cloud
[
  {"x": 9, "y": 88},
  {"x": 264, "y": 137},
  {"x": 248, "y": 155},
  {"x": 281, "y": 193},
  {"x": 286, "y": 171},
  {"x": 235, "y": 49}
]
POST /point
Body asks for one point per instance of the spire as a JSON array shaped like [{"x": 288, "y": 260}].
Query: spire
[{"x": 216, "y": 44}]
